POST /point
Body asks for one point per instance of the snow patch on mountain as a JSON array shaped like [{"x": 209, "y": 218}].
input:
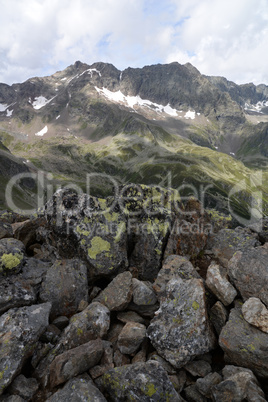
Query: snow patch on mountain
[
  {"x": 257, "y": 108},
  {"x": 132, "y": 101},
  {"x": 9, "y": 113},
  {"x": 190, "y": 114},
  {"x": 3, "y": 107},
  {"x": 42, "y": 132},
  {"x": 40, "y": 101}
]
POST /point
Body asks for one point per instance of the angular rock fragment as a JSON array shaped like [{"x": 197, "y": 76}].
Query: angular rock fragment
[
  {"x": 65, "y": 285},
  {"x": 5, "y": 230},
  {"x": 255, "y": 313},
  {"x": 15, "y": 292},
  {"x": 131, "y": 337},
  {"x": 227, "y": 242},
  {"x": 175, "y": 266},
  {"x": 141, "y": 382},
  {"x": 20, "y": 329},
  {"x": 78, "y": 389},
  {"x": 205, "y": 384},
  {"x": 142, "y": 293},
  {"x": 181, "y": 329},
  {"x": 198, "y": 368},
  {"x": 248, "y": 271},
  {"x": 75, "y": 361},
  {"x": 117, "y": 295},
  {"x": 219, "y": 285},
  {"x": 244, "y": 345},
  {"x": 218, "y": 316},
  {"x": 24, "y": 387}
]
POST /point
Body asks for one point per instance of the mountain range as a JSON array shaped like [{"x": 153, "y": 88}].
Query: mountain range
[{"x": 167, "y": 124}]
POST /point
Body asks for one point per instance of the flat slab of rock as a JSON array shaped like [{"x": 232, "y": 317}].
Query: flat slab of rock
[
  {"x": 248, "y": 271},
  {"x": 219, "y": 285},
  {"x": 244, "y": 345},
  {"x": 181, "y": 329},
  {"x": 78, "y": 389},
  {"x": 142, "y": 382},
  {"x": 117, "y": 295},
  {"x": 256, "y": 313},
  {"x": 65, "y": 284},
  {"x": 20, "y": 329},
  {"x": 75, "y": 361}
]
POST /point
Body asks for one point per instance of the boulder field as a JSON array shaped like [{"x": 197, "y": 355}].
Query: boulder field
[{"x": 139, "y": 298}]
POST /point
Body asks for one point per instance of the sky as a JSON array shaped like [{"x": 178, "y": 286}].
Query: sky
[{"x": 219, "y": 37}]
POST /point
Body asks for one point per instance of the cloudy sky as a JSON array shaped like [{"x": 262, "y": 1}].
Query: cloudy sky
[{"x": 219, "y": 37}]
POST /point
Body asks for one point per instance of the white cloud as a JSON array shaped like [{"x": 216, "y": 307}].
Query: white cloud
[{"x": 220, "y": 38}]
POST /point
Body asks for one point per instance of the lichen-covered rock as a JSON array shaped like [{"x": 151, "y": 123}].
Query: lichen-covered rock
[
  {"x": 143, "y": 293},
  {"x": 227, "y": 242},
  {"x": 131, "y": 337},
  {"x": 181, "y": 329},
  {"x": 90, "y": 226},
  {"x": 248, "y": 271},
  {"x": 90, "y": 324},
  {"x": 15, "y": 292},
  {"x": 117, "y": 295},
  {"x": 175, "y": 266},
  {"x": 65, "y": 284},
  {"x": 20, "y": 329},
  {"x": 78, "y": 389},
  {"x": 75, "y": 361},
  {"x": 219, "y": 285},
  {"x": 11, "y": 256},
  {"x": 255, "y": 313},
  {"x": 24, "y": 387},
  {"x": 244, "y": 345},
  {"x": 239, "y": 387},
  {"x": 141, "y": 382}
]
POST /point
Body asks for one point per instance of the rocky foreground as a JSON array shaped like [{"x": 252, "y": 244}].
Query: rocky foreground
[{"x": 138, "y": 298}]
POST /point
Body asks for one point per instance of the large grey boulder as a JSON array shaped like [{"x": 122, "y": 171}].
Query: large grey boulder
[
  {"x": 244, "y": 345},
  {"x": 20, "y": 329},
  {"x": 89, "y": 226},
  {"x": 181, "y": 329},
  {"x": 141, "y": 382},
  {"x": 65, "y": 284},
  {"x": 248, "y": 271}
]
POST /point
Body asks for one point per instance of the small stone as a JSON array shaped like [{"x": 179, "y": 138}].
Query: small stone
[
  {"x": 255, "y": 313},
  {"x": 205, "y": 384},
  {"x": 82, "y": 305},
  {"x": 24, "y": 387},
  {"x": 142, "y": 293},
  {"x": 114, "y": 332},
  {"x": 217, "y": 282},
  {"x": 193, "y": 395},
  {"x": 117, "y": 295},
  {"x": 51, "y": 334},
  {"x": 61, "y": 322},
  {"x": 198, "y": 368},
  {"x": 131, "y": 337},
  {"x": 130, "y": 316},
  {"x": 75, "y": 361},
  {"x": 218, "y": 316},
  {"x": 120, "y": 359}
]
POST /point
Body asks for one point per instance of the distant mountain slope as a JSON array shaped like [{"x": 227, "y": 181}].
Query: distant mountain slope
[{"x": 140, "y": 125}]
